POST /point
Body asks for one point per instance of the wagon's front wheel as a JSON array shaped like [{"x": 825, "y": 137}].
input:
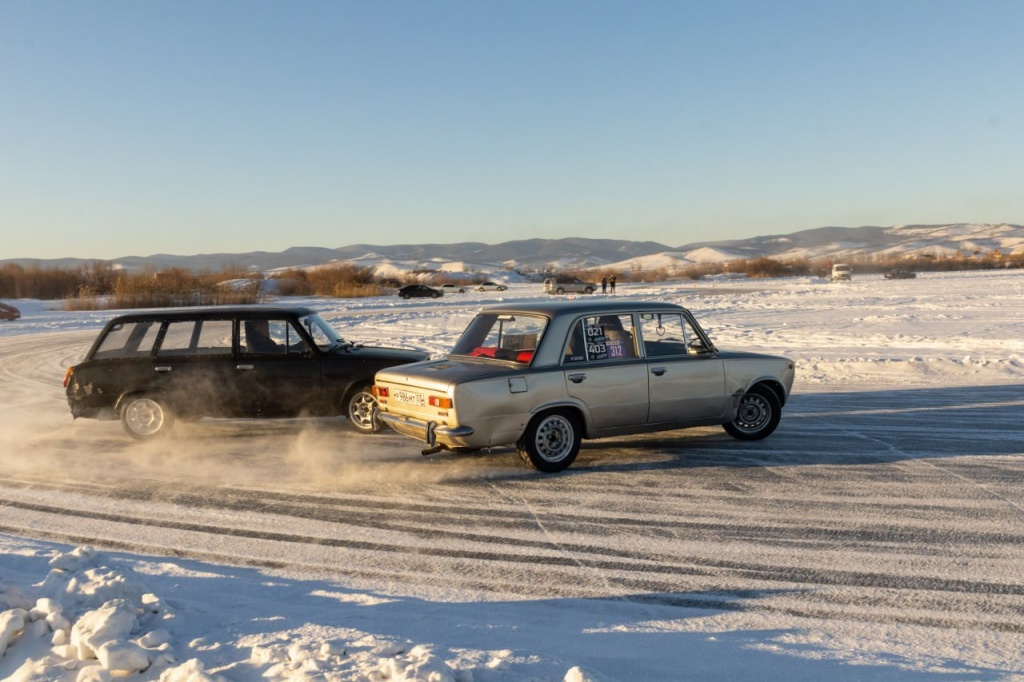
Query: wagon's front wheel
[
  {"x": 551, "y": 441},
  {"x": 362, "y": 409}
]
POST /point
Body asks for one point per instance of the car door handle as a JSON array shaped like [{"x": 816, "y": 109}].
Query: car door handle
[
  {"x": 658, "y": 371},
  {"x": 245, "y": 367},
  {"x": 577, "y": 378},
  {"x": 162, "y": 368}
]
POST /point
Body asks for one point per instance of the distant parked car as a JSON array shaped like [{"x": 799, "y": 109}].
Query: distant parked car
[
  {"x": 563, "y": 284},
  {"x": 841, "y": 272},
  {"x": 543, "y": 376},
  {"x": 420, "y": 291},
  {"x": 491, "y": 286},
  {"x": 147, "y": 369},
  {"x": 453, "y": 289},
  {"x": 900, "y": 274},
  {"x": 9, "y": 312}
]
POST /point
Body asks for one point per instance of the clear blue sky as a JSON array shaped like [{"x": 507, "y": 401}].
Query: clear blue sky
[{"x": 135, "y": 128}]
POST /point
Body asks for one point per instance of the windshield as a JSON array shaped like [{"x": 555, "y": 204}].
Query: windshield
[
  {"x": 323, "y": 334},
  {"x": 502, "y": 336}
]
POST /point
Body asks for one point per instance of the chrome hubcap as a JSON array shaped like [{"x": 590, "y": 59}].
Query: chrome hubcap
[
  {"x": 144, "y": 417},
  {"x": 361, "y": 410}
]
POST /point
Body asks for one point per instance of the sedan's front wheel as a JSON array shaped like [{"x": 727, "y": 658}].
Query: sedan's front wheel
[
  {"x": 361, "y": 408},
  {"x": 758, "y": 415},
  {"x": 551, "y": 441},
  {"x": 145, "y": 417}
]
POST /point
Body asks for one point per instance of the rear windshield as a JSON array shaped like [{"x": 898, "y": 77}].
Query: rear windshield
[{"x": 503, "y": 337}]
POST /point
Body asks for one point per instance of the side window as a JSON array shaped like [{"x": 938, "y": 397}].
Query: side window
[
  {"x": 666, "y": 334},
  {"x": 663, "y": 334},
  {"x": 269, "y": 337},
  {"x": 576, "y": 351},
  {"x": 128, "y": 340},
  {"x": 214, "y": 337},
  {"x": 177, "y": 338},
  {"x": 605, "y": 337},
  {"x": 196, "y": 337}
]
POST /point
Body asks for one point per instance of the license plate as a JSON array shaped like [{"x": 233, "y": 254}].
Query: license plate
[{"x": 409, "y": 398}]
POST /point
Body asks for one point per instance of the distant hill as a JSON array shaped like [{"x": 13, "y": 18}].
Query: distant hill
[{"x": 538, "y": 255}]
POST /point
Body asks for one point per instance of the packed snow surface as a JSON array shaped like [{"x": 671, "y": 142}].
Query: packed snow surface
[{"x": 877, "y": 534}]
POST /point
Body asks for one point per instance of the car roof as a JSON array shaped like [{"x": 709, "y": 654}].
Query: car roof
[
  {"x": 597, "y": 307},
  {"x": 219, "y": 312}
]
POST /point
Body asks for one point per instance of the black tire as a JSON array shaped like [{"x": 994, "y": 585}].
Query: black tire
[
  {"x": 551, "y": 441},
  {"x": 559, "y": 290},
  {"x": 360, "y": 408},
  {"x": 758, "y": 415},
  {"x": 436, "y": 295},
  {"x": 406, "y": 296},
  {"x": 145, "y": 417},
  {"x": 588, "y": 290}
]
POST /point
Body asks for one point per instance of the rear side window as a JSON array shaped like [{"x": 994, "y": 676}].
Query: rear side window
[
  {"x": 196, "y": 337},
  {"x": 604, "y": 337},
  {"x": 128, "y": 340}
]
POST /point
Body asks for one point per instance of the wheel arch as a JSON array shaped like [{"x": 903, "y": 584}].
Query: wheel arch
[
  {"x": 577, "y": 409},
  {"x": 775, "y": 385},
  {"x": 156, "y": 393}
]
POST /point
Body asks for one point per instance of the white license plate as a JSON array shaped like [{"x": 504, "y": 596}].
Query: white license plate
[{"x": 409, "y": 398}]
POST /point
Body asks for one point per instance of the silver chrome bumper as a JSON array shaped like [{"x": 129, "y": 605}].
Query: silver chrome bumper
[{"x": 429, "y": 432}]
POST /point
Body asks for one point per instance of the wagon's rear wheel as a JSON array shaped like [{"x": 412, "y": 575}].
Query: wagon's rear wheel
[{"x": 146, "y": 416}]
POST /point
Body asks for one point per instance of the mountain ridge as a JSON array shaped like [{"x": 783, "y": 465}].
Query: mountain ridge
[{"x": 832, "y": 242}]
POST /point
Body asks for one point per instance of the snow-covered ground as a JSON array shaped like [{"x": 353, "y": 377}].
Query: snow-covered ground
[{"x": 876, "y": 535}]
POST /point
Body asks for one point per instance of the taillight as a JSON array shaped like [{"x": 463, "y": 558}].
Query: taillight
[
  {"x": 67, "y": 377},
  {"x": 442, "y": 403},
  {"x": 380, "y": 392}
]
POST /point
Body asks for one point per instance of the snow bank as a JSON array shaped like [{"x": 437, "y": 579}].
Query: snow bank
[{"x": 91, "y": 620}]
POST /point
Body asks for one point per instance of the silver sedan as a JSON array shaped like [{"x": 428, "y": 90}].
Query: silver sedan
[{"x": 543, "y": 376}]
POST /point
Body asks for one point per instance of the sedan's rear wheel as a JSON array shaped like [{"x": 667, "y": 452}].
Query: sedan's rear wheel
[
  {"x": 758, "y": 415},
  {"x": 362, "y": 410},
  {"x": 144, "y": 417},
  {"x": 551, "y": 441}
]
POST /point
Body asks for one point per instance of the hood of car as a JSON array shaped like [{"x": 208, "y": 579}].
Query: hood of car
[{"x": 380, "y": 353}]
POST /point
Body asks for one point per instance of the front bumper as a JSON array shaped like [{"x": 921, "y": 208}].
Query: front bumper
[{"x": 431, "y": 433}]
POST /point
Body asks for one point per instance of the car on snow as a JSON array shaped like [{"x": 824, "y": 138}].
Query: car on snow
[
  {"x": 147, "y": 369},
  {"x": 563, "y": 284},
  {"x": 900, "y": 274},
  {"x": 420, "y": 291},
  {"x": 544, "y": 376},
  {"x": 841, "y": 272},
  {"x": 9, "y": 312},
  {"x": 491, "y": 286},
  {"x": 452, "y": 289}
]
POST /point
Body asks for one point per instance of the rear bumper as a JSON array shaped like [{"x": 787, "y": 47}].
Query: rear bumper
[
  {"x": 428, "y": 432},
  {"x": 91, "y": 410}
]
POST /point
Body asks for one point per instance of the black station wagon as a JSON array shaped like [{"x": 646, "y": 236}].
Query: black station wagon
[{"x": 149, "y": 368}]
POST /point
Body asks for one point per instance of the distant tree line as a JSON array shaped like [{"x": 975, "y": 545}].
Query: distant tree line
[{"x": 101, "y": 285}]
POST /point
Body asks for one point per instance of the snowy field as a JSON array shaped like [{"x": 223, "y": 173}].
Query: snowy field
[{"x": 878, "y": 534}]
